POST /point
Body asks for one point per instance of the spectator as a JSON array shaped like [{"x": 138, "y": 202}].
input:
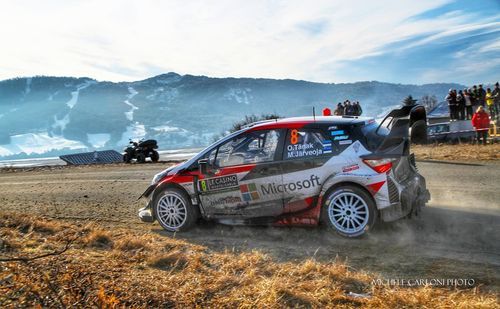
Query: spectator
[
  {"x": 474, "y": 96},
  {"x": 339, "y": 111},
  {"x": 460, "y": 105},
  {"x": 357, "y": 109},
  {"x": 451, "y": 98},
  {"x": 347, "y": 108},
  {"x": 468, "y": 104},
  {"x": 481, "y": 122},
  {"x": 481, "y": 96},
  {"x": 490, "y": 104},
  {"x": 496, "y": 99}
]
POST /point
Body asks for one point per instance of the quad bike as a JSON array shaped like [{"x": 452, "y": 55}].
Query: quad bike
[{"x": 140, "y": 151}]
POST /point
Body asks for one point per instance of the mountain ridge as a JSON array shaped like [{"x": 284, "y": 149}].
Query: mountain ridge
[{"x": 47, "y": 114}]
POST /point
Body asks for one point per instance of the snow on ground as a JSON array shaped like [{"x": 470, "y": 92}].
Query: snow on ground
[
  {"x": 37, "y": 143},
  {"x": 74, "y": 94},
  {"x": 130, "y": 113},
  {"x": 241, "y": 96},
  {"x": 135, "y": 131},
  {"x": 63, "y": 122},
  {"x": 167, "y": 129},
  {"x": 98, "y": 140}
]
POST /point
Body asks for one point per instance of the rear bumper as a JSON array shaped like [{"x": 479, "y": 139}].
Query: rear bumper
[{"x": 407, "y": 197}]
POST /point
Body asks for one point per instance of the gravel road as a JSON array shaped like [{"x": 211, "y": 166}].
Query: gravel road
[{"x": 456, "y": 236}]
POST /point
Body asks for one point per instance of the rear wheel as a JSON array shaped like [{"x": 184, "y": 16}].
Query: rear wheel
[
  {"x": 126, "y": 158},
  {"x": 174, "y": 211},
  {"x": 349, "y": 210},
  {"x": 155, "y": 156}
]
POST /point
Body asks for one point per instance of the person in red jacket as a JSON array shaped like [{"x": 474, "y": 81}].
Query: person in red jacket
[{"x": 481, "y": 122}]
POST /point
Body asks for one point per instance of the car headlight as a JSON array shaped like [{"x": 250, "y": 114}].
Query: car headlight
[
  {"x": 161, "y": 174},
  {"x": 158, "y": 177}
]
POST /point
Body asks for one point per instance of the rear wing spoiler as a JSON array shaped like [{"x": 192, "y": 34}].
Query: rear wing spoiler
[{"x": 392, "y": 135}]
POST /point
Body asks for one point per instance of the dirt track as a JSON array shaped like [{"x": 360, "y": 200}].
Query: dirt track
[{"x": 457, "y": 236}]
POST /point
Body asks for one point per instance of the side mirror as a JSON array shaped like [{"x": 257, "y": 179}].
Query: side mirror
[{"x": 203, "y": 166}]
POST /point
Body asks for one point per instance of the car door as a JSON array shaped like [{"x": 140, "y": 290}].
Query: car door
[
  {"x": 305, "y": 153},
  {"x": 243, "y": 176}
]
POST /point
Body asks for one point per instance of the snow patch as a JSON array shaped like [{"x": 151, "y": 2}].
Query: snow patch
[
  {"x": 167, "y": 129},
  {"x": 98, "y": 140},
  {"x": 74, "y": 94},
  {"x": 241, "y": 96},
  {"x": 130, "y": 113},
  {"x": 135, "y": 131},
  {"x": 163, "y": 94},
  {"x": 37, "y": 143},
  {"x": 62, "y": 123}
]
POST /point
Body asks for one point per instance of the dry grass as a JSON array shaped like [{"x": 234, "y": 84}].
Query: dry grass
[
  {"x": 99, "y": 239},
  {"x": 459, "y": 152},
  {"x": 171, "y": 273}
]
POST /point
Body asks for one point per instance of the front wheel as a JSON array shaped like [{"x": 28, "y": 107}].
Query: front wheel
[
  {"x": 349, "y": 210},
  {"x": 174, "y": 211}
]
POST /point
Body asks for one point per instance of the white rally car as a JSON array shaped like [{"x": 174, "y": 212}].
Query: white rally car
[{"x": 343, "y": 172}]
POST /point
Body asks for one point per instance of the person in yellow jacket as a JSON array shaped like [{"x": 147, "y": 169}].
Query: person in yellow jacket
[{"x": 490, "y": 103}]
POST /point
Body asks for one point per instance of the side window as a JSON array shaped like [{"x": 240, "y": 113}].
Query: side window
[
  {"x": 253, "y": 147},
  {"x": 306, "y": 143}
]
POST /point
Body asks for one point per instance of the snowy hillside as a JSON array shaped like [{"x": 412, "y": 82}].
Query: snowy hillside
[{"x": 43, "y": 116}]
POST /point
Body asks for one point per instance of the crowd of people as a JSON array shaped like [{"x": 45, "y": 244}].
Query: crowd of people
[
  {"x": 475, "y": 104},
  {"x": 348, "y": 109},
  {"x": 463, "y": 103}
]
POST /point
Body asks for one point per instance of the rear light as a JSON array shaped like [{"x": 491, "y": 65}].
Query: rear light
[{"x": 379, "y": 165}]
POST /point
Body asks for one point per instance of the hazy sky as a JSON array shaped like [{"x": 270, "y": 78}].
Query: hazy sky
[{"x": 327, "y": 41}]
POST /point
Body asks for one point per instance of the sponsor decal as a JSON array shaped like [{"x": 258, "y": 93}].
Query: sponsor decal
[
  {"x": 350, "y": 168},
  {"x": 273, "y": 188},
  {"x": 219, "y": 183},
  {"x": 305, "y": 150},
  {"x": 332, "y": 128},
  {"x": 337, "y": 132},
  {"x": 294, "y": 137},
  {"x": 225, "y": 200},
  {"x": 249, "y": 192},
  {"x": 340, "y": 137},
  {"x": 327, "y": 146},
  {"x": 345, "y": 142}
]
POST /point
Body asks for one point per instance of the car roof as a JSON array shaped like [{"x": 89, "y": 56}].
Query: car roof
[{"x": 302, "y": 121}]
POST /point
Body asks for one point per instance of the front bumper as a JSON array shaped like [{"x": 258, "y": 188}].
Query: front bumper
[
  {"x": 407, "y": 197},
  {"x": 146, "y": 213}
]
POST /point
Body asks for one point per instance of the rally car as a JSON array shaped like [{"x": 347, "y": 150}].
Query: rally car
[{"x": 344, "y": 172}]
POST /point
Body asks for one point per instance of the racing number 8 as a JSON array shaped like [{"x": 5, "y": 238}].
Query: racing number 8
[{"x": 294, "y": 137}]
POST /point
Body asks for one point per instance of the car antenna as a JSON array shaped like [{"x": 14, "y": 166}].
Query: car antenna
[{"x": 314, "y": 114}]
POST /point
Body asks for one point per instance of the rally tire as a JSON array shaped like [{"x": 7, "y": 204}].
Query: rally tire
[
  {"x": 174, "y": 211},
  {"x": 155, "y": 156},
  {"x": 348, "y": 210},
  {"x": 126, "y": 158}
]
